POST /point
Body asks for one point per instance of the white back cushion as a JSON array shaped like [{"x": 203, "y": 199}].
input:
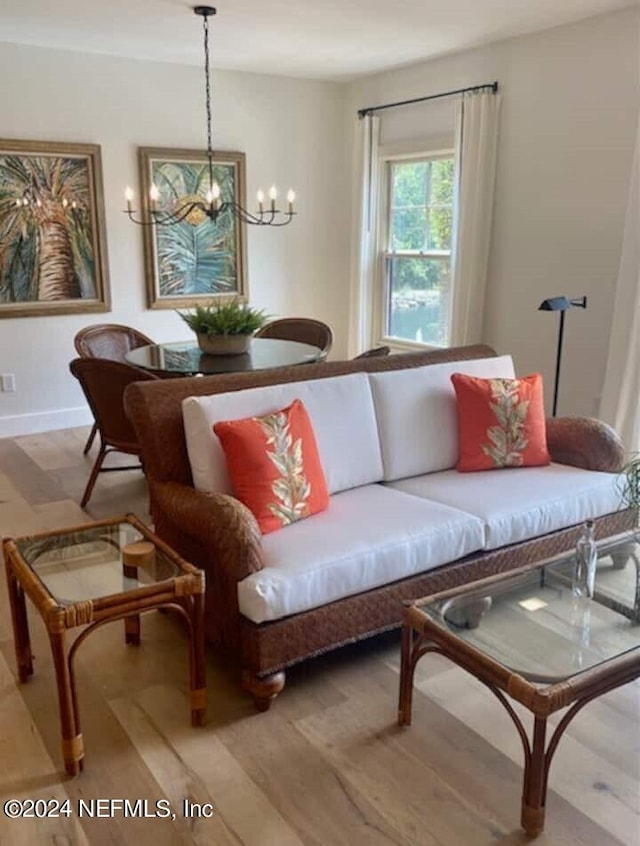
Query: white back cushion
[
  {"x": 416, "y": 411},
  {"x": 342, "y": 416}
]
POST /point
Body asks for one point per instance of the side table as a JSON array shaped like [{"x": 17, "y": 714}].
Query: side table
[{"x": 92, "y": 574}]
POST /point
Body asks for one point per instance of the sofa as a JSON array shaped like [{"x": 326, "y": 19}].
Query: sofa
[{"x": 401, "y": 523}]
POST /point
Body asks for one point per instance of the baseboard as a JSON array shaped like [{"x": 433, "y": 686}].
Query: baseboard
[{"x": 44, "y": 421}]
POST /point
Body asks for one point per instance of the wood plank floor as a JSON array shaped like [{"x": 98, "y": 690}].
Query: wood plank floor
[{"x": 327, "y": 765}]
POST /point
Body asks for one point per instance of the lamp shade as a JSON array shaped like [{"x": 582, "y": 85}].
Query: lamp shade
[
  {"x": 562, "y": 303},
  {"x": 555, "y": 304}
]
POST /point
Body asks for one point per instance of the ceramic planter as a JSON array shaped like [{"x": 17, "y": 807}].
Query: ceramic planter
[{"x": 223, "y": 344}]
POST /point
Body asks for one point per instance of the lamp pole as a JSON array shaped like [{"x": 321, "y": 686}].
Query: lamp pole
[
  {"x": 558, "y": 359},
  {"x": 561, "y": 304}
]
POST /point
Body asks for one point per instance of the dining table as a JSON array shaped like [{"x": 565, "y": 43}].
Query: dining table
[{"x": 185, "y": 358}]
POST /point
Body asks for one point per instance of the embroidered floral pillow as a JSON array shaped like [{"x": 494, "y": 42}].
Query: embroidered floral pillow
[
  {"x": 501, "y": 422},
  {"x": 274, "y": 466}
]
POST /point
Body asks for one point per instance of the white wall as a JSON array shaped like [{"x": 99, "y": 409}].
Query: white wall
[
  {"x": 292, "y": 132},
  {"x": 570, "y": 105},
  {"x": 568, "y": 121}
]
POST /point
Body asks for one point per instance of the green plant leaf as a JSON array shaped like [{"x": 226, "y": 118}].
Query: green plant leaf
[{"x": 229, "y": 318}]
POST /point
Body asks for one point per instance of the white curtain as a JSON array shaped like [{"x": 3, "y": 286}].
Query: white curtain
[
  {"x": 621, "y": 394},
  {"x": 366, "y": 176},
  {"x": 476, "y": 152}
]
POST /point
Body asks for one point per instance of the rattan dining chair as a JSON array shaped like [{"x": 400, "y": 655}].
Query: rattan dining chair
[
  {"x": 374, "y": 352},
  {"x": 107, "y": 340},
  {"x": 305, "y": 330},
  {"x": 103, "y": 382}
]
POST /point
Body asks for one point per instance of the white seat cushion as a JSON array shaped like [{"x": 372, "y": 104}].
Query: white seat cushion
[
  {"x": 522, "y": 502},
  {"x": 341, "y": 412},
  {"x": 368, "y": 537},
  {"x": 416, "y": 411}
]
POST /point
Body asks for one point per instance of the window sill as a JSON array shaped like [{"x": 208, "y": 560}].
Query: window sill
[{"x": 407, "y": 346}]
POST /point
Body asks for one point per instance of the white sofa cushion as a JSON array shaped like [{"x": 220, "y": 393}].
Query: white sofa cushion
[
  {"x": 523, "y": 502},
  {"x": 416, "y": 411},
  {"x": 341, "y": 412},
  {"x": 369, "y": 536}
]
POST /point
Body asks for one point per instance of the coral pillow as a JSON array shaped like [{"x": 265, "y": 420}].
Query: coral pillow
[
  {"x": 274, "y": 466},
  {"x": 501, "y": 422}
]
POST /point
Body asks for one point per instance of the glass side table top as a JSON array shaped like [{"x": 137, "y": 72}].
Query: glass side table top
[
  {"x": 87, "y": 563},
  {"x": 532, "y": 624}
]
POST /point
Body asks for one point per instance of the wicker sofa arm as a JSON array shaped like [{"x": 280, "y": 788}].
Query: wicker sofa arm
[
  {"x": 218, "y": 522},
  {"x": 585, "y": 442}
]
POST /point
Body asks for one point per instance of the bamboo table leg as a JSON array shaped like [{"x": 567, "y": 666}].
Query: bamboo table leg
[
  {"x": 134, "y": 556},
  {"x": 72, "y": 743},
  {"x": 197, "y": 661},
  {"x": 407, "y": 667},
  {"x": 20, "y": 623},
  {"x": 534, "y": 790},
  {"x": 132, "y": 630}
]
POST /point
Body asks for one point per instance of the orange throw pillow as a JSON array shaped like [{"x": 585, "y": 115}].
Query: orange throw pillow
[
  {"x": 501, "y": 422},
  {"x": 274, "y": 466}
]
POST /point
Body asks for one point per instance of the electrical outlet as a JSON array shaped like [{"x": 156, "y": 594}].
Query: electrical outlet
[{"x": 8, "y": 382}]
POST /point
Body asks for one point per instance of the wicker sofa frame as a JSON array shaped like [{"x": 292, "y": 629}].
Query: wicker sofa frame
[{"x": 218, "y": 534}]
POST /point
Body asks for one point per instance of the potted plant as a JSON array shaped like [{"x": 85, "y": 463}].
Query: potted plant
[
  {"x": 630, "y": 484},
  {"x": 224, "y": 328},
  {"x": 629, "y": 487}
]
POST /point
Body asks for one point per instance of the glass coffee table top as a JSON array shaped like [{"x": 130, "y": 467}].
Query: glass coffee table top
[
  {"x": 532, "y": 623},
  {"x": 87, "y": 563}
]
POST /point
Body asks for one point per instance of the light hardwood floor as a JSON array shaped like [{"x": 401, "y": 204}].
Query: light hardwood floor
[{"x": 327, "y": 765}]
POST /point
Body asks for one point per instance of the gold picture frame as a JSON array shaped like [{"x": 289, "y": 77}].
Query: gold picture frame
[
  {"x": 53, "y": 249},
  {"x": 196, "y": 260}
]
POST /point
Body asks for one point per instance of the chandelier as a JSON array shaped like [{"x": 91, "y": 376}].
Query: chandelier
[{"x": 212, "y": 204}]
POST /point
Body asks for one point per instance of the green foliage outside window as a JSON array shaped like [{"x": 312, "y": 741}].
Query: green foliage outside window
[
  {"x": 421, "y": 217},
  {"x": 422, "y": 213},
  {"x": 420, "y": 225}
]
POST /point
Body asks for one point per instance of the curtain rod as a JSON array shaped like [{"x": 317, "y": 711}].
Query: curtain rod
[{"x": 370, "y": 109}]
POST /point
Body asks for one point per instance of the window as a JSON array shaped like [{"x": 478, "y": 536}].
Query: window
[{"x": 416, "y": 276}]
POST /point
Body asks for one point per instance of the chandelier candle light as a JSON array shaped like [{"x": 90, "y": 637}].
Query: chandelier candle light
[{"x": 212, "y": 204}]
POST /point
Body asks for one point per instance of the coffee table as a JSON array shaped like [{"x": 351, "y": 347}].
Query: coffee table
[
  {"x": 527, "y": 637},
  {"x": 90, "y": 575}
]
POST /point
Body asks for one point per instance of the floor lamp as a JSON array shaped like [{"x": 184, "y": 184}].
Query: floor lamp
[{"x": 561, "y": 304}]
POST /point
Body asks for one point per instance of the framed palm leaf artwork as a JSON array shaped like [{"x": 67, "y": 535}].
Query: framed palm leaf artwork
[
  {"x": 53, "y": 253},
  {"x": 195, "y": 260}
]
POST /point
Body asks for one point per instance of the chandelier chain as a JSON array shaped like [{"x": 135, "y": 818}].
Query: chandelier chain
[{"x": 207, "y": 77}]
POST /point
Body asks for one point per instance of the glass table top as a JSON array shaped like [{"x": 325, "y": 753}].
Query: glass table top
[
  {"x": 532, "y": 623},
  {"x": 88, "y": 563},
  {"x": 185, "y": 357}
]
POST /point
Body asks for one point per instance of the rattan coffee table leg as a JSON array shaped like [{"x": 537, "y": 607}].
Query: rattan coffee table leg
[
  {"x": 535, "y": 782},
  {"x": 20, "y": 622},
  {"x": 198, "y": 666},
  {"x": 407, "y": 666},
  {"x": 72, "y": 743},
  {"x": 132, "y": 630}
]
